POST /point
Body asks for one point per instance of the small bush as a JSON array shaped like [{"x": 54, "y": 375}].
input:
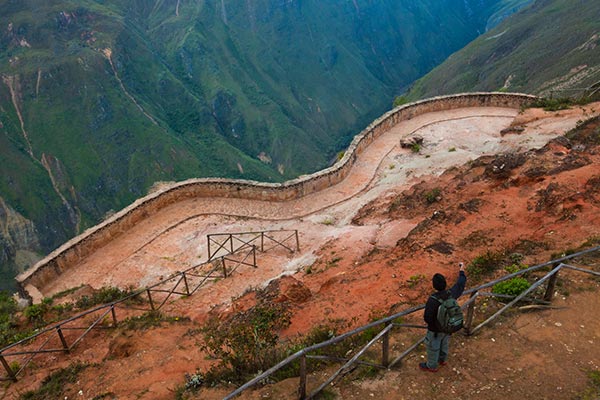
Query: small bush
[
  {"x": 54, "y": 384},
  {"x": 512, "y": 287},
  {"x": 245, "y": 343},
  {"x": 103, "y": 296},
  {"x": 433, "y": 195},
  {"x": 399, "y": 100},
  {"x": 592, "y": 392},
  {"x": 485, "y": 264},
  {"x": 415, "y": 147},
  {"x": 556, "y": 104},
  {"x": 35, "y": 313},
  {"x": 415, "y": 280}
]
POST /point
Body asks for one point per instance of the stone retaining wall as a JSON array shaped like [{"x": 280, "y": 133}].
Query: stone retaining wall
[{"x": 81, "y": 246}]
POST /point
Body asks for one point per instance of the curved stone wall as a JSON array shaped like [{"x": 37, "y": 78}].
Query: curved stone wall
[{"x": 79, "y": 247}]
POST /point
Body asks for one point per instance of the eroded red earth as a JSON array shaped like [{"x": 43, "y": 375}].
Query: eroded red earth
[{"x": 369, "y": 247}]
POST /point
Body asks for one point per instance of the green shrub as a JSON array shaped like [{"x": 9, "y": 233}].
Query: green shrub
[
  {"x": 245, "y": 343},
  {"x": 485, "y": 264},
  {"x": 54, "y": 384},
  {"x": 102, "y": 296},
  {"x": 592, "y": 392},
  {"x": 415, "y": 147},
  {"x": 35, "y": 313},
  {"x": 555, "y": 104},
  {"x": 399, "y": 100},
  {"x": 8, "y": 306},
  {"x": 512, "y": 287},
  {"x": 432, "y": 195}
]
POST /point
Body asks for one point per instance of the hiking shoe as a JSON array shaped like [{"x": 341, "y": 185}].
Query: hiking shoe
[
  {"x": 442, "y": 363},
  {"x": 424, "y": 367}
]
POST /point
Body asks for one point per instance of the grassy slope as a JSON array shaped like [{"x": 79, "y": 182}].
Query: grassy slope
[{"x": 533, "y": 47}]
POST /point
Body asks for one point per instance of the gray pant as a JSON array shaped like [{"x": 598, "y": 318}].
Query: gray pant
[{"x": 437, "y": 348}]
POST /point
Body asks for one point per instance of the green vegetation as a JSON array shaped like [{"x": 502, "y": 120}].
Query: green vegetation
[
  {"x": 512, "y": 287},
  {"x": 53, "y": 385},
  {"x": 246, "y": 343},
  {"x": 104, "y": 295},
  {"x": 524, "y": 53},
  {"x": 592, "y": 392},
  {"x": 414, "y": 280},
  {"x": 485, "y": 264},
  {"x": 433, "y": 195},
  {"x": 150, "y": 319},
  {"x": 415, "y": 148},
  {"x": 399, "y": 100}
]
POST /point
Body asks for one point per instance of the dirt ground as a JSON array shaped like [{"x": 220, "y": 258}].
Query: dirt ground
[{"x": 368, "y": 246}]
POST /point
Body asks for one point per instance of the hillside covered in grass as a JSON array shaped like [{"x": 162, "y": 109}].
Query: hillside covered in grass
[{"x": 548, "y": 48}]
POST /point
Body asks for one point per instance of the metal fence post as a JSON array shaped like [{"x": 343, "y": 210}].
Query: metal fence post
[
  {"x": 385, "y": 347},
  {"x": 470, "y": 312},
  {"x": 551, "y": 285},
  {"x": 302, "y": 383}
]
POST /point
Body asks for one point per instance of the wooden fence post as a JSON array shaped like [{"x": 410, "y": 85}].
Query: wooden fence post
[
  {"x": 9, "y": 371},
  {"x": 302, "y": 383},
  {"x": 470, "y": 312},
  {"x": 62, "y": 339},
  {"x": 224, "y": 267},
  {"x": 297, "y": 241},
  {"x": 114, "y": 315},
  {"x": 208, "y": 240},
  {"x": 385, "y": 347},
  {"x": 187, "y": 288},
  {"x": 150, "y": 299},
  {"x": 551, "y": 285}
]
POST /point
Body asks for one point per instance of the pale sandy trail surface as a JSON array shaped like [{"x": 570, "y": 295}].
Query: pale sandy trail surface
[{"x": 175, "y": 238}]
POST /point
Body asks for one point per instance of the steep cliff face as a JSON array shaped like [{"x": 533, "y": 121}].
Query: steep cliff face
[{"x": 18, "y": 242}]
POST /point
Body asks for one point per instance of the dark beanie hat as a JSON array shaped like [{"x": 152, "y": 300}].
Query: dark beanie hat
[{"x": 439, "y": 282}]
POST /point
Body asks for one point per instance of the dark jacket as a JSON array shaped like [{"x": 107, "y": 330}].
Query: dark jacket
[{"x": 431, "y": 308}]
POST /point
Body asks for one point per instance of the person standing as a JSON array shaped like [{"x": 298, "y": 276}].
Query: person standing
[{"x": 437, "y": 341}]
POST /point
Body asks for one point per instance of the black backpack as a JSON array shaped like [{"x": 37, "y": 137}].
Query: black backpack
[{"x": 450, "y": 315}]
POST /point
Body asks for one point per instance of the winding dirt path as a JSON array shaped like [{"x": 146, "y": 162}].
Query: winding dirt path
[{"x": 174, "y": 238}]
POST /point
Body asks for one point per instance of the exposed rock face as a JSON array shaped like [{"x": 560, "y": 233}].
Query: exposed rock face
[{"x": 16, "y": 232}]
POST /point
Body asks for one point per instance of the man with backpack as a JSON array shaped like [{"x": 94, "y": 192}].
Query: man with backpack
[{"x": 443, "y": 317}]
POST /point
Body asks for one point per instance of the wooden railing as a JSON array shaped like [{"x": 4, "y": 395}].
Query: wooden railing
[
  {"x": 387, "y": 324},
  {"x": 60, "y": 337},
  {"x": 264, "y": 241}
]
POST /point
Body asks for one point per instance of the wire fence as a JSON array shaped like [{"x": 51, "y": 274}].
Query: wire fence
[{"x": 386, "y": 325}]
